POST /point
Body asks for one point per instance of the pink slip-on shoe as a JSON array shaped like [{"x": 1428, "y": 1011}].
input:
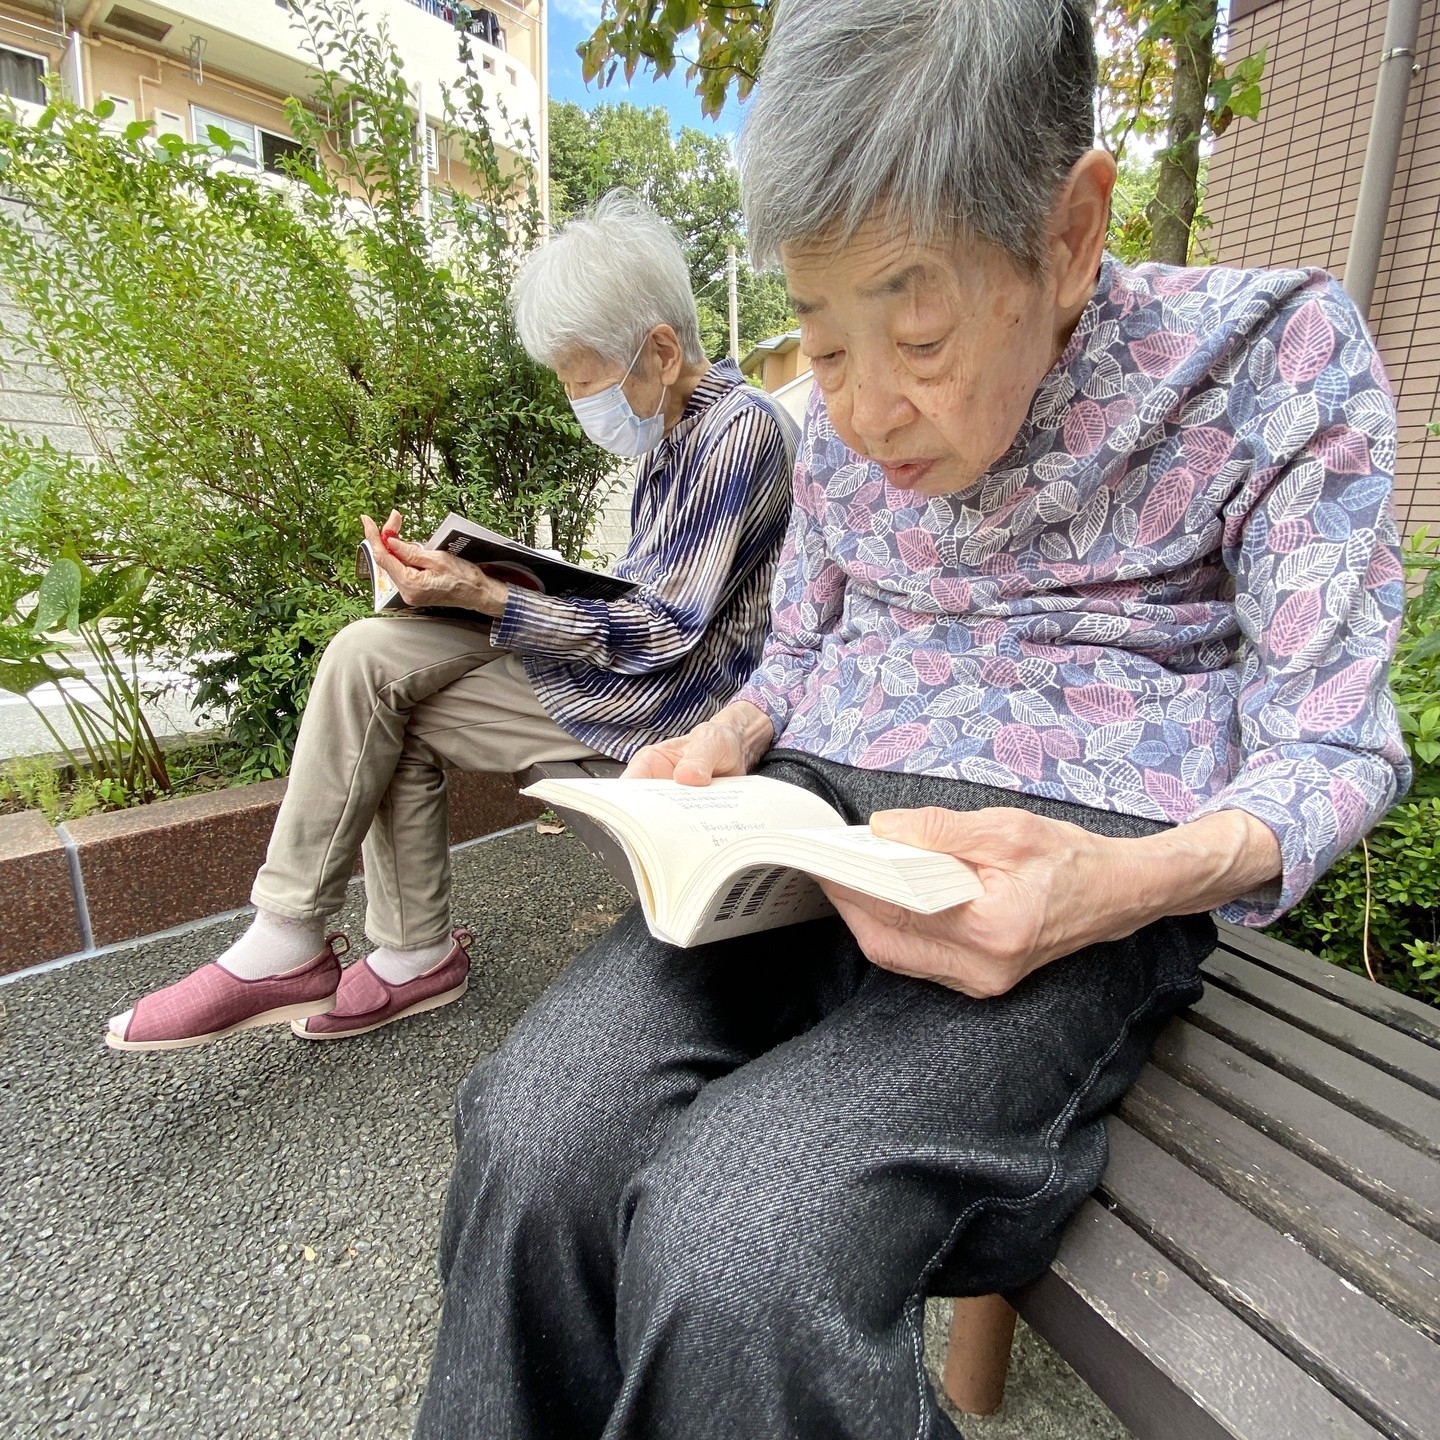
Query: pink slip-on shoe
[
  {"x": 365, "y": 1002},
  {"x": 211, "y": 1002}
]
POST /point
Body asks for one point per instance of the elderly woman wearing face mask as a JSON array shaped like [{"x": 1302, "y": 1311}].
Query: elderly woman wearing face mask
[
  {"x": 1091, "y": 581},
  {"x": 607, "y": 305}
]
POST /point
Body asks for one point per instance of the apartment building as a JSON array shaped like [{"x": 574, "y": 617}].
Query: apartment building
[
  {"x": 1283, "y": 192},
  {"x": 189, "y": 65}
]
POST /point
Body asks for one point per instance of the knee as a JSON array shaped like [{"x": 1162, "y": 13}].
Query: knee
[
  {"x": 725, "y": 1238},
  {"x": 355, "y": 648},
  {"x": 540, "y": 1130}
]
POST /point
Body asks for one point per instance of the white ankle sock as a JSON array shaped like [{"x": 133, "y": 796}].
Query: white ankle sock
[
  {"x": 271, "y": 946},
  {"x": 397, "y": 967}
]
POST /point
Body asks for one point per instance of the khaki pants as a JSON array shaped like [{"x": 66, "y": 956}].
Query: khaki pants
[{"x": 396, "y": 699}]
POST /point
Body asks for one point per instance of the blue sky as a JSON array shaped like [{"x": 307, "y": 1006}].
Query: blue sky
[{"x": 572, "y": 21}]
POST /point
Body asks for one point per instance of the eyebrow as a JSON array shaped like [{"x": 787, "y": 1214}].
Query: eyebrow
[
  {"x": 900, "y": 283},
  {"x": 903, "y": 282}
]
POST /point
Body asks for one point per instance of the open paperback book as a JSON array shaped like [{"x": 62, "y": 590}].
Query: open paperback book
[
  {"x": 738, "y": 855},
  {"x": 508, "y": 560}
]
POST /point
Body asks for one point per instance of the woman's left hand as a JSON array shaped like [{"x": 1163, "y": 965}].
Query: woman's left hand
[
  {"x": 1051, "y": 889},
  {"x": 433, "y": 577}
]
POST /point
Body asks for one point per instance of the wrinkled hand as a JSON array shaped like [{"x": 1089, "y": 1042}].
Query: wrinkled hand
[
  {"x": 433, "y": 577},
  {"x": 1051, "y": 888},
  {"x": 728, "y": 744}
]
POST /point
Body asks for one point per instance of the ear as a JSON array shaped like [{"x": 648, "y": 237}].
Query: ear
[
  {"x": 1078, "y": 227},
  {"x": 665, "y": 345}
]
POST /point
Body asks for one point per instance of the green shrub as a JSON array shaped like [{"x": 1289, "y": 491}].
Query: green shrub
[
  {"x": 1375, "y": 910},
  {"x": 258, "y": 363}
]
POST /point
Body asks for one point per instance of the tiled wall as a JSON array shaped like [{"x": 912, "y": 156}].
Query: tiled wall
[{"x": 1282, "y": 192}]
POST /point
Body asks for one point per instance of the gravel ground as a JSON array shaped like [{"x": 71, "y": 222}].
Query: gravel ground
[{"x": 239, "y": 1241}]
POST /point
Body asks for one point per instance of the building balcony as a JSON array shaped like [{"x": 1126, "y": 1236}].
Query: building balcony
[{"x": 257, "y": 42}]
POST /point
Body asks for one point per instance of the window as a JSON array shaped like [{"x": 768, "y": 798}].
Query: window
[
  {"x": 22, "y": 76},
  {"x": 240, "y": 131},
  {"x": 253, "y": 146},
  {"x": 277, "y": 148},
  {"x": 432, "y": 148}
]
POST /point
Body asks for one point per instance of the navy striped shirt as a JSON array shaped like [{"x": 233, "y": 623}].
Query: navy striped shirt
[{"x": 709, "y": 513}]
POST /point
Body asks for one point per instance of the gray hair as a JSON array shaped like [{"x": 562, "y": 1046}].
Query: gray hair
[
  {"x": 602, "y": 283},
  {"x": 951, "y": 115}
]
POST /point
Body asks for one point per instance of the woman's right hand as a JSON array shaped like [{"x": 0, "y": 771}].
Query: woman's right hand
[{"x": 728, "y": 744}]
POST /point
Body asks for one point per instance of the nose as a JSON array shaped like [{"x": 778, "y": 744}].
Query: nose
[{"x": 878, "y": 407}]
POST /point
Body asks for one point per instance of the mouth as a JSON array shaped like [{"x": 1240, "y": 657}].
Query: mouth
[{"x": 906, "y": 474}]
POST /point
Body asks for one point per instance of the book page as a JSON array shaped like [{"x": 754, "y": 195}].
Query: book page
[
  {"x": 674, "y": 829},
  {"x": 766, "y": 879},
  {"x": 762, "y": 897},
  {"x": 367, "y": 568}
]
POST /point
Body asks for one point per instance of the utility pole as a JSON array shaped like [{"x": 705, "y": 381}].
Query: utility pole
[{"x": 732, "y": 282}]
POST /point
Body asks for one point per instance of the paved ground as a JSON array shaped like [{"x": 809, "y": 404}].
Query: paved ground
[{"x": 239, "y": 1242}]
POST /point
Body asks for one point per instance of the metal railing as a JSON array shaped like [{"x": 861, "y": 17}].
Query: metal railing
[{"x": 446, "y": 10}]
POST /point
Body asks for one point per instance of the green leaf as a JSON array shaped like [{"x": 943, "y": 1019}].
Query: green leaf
[
  {"x": 58, "y": 602},
  {"x": 1246, "y": 102},
  {"x": 138, "y": 129},
  {"x": 104, "y": 109},
  {"x": 115, "y": 591},
  {"x": 20, "y": 677},
  {"x": 19, "y": 642},
  {"x": 22, "y": 498}
]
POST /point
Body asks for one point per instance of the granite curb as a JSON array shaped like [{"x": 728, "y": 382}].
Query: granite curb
[{"x": 104, "y": 879}]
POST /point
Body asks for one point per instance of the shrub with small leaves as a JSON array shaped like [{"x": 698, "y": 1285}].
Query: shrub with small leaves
[{"x": 258, "y": 360}]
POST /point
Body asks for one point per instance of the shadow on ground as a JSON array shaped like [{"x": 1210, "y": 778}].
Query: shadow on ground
[{"x": 239, "y": 1241}]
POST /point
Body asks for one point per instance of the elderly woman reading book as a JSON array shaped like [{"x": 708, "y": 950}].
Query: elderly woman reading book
[
  {"x": 1091, "y": 582},
  {"x": 529, "y": 677}
]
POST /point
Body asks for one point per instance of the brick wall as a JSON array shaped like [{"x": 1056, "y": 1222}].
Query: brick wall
[{"x": 1282, "y": 192}]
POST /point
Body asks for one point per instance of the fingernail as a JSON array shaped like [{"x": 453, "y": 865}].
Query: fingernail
[{"x": 885, "y": 822}]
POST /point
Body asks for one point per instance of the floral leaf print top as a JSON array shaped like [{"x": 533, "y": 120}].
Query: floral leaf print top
[{"x": 1177, "y": 592}]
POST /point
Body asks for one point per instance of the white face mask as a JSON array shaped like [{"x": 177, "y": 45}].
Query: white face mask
[{"x": 606, "y": 417}]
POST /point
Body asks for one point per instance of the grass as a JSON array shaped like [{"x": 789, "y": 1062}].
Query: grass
[{"x": 43, "y": 783}]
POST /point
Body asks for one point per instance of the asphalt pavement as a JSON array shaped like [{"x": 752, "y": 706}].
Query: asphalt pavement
[{"x": 239, "y": 1241}]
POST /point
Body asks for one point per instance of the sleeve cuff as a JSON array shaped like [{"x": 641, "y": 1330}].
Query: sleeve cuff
[
  {"x": 776, "y": 707},
  {"x": 533, "y": 624},
  {"x": 1339, "y": 806}
]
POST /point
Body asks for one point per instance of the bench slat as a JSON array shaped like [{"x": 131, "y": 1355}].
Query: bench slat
[
  {"x": 1169, "y": 1359},
  {"x": 1383, "y": 1256},
  {"x": 1385, "y": 1370},
  {"x": 1399, "y": 1012},
  {"x": 1397, "y": 1178},
  {"x": 1407, "y": 1059},
  {"x": 1394, "y": 1106}
]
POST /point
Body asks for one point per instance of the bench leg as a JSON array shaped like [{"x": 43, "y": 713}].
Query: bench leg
[{"x": 978, "y": 1358}]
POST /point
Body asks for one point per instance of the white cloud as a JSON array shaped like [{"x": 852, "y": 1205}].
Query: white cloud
[{"x": 586, "y": 12}]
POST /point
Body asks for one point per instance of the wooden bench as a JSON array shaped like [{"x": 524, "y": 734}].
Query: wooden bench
[{"x": 1262, "y": 1258}]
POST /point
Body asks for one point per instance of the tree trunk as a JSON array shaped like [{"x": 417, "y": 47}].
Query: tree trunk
[{"x": 1172, "y": 211}]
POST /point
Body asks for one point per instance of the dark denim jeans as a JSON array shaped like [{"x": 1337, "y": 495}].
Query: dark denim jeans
[{"x": 704, "y": 1193}]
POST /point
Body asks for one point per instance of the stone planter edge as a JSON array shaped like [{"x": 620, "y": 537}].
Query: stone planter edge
[{"x": 105, "y": 879}]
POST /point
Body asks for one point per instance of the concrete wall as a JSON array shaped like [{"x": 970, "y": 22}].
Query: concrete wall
[{"x": 1282, "y": 192}]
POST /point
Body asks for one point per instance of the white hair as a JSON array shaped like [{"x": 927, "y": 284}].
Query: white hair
[
  {"x": 952, "y": 116},
  {"x": 602, "y": 283}
]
